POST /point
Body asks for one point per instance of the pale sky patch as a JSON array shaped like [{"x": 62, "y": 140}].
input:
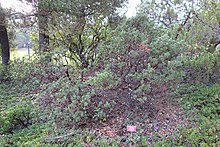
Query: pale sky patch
[
  {"x": 21, "y": 7},
  {"x": 132, "y": 4},
  {"x": 16, "y": 5}
]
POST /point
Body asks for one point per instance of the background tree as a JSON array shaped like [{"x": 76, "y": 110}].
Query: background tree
[
  {"x": 40, "y": 13},
  {"x": 22, "y": 37},
  {"x": 79, "y": 26},
  {"x": 206, "y": 24},
  {"x": 75, "y": 26},
  {"x": 42, "y": 24},
  {"x": 4, "y": 42},
  {"x": 195, "y": 21},
  {"x": 167, "y": 12}
]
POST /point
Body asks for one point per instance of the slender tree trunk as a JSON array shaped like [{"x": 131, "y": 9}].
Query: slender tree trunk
[
  {"x": 43, "y": 38},
  {"x": 42, "y": 23},
  {"x": 4, "y": 45},
  {"x": 4, "y": 42}
]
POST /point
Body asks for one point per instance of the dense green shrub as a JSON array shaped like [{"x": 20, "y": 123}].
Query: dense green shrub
[
  {"x": 34, "y": 135},
  {"x": 143, "y": 58},
  {"x": 16, "y": 115},
  {"x": 204, "y": 68},
  {"x": 103, "y": 79},
  {"x": 37, "y": 70},
  {"x": 204, "y": 103},
  {"x": 4, "y": 73},
  {"x": 65, "y": 101}
]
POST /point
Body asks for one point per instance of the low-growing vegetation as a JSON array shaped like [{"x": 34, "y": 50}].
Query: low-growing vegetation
[{"x": 95, "y": 78}]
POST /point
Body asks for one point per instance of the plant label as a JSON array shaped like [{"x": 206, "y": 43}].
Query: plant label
[{"x": 131, "y": 128}]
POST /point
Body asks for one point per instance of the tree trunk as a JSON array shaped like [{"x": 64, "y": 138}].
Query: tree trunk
[
  {"x": 43, "y": 38},
  {"x": 42, "y": 23},
  {"x": 4, "y": 42}
]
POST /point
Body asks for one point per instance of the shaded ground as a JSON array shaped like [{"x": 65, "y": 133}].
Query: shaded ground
[{"x": 158, "y": 117}]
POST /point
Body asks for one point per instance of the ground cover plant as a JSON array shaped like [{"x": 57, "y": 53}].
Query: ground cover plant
[
  {"x": 93, "y": 74},
  {"x": 203, "y": 101}
]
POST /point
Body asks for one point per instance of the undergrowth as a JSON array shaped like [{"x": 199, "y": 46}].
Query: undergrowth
[
  {"x": 46, "y": 104},
  {"x": 20, "y": 124},
  {"x": 202, "y": 104}
]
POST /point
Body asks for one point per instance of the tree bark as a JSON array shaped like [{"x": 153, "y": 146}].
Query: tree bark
[
  {"x": 42, "y": 23},
  {"x": 4, "y": 42},
  {"x": 43, "y": 37}
]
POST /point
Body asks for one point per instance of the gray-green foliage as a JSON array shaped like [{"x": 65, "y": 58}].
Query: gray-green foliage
[
  {"x": 167, "y": 12},
  {"x": 78, "y": 27},
  {"x": 144, "y": 58},
  {"x": 204, "y": 68},
  {"x": 16, "y": 115},
  {"x": 37, "y": 71},
  {"x": 195, "y": 21},
  {"x": 103, "y": 79},
  {"x": 66, "y": 102}
]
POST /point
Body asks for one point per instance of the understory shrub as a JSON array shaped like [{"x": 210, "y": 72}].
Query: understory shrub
[
  {"x": 66, "y": 102},
  {"x": 204, "y": 68},
  {"x": 36, "y": 70},
  {"x": 33, "y": 135},
  {"x": 103, "y": 79},
  {"x": 142, "y": 58},
  {"x": 204, "y": 103},
  {"x": 32, "y": 74},
  {"x": 4, "y": 73},
  {"x": 16, "y": 115}
]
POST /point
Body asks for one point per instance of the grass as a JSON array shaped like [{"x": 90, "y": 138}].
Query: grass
[{"x": 20, "y": 53}]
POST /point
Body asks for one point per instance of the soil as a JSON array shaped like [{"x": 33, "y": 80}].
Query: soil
[{"x": 158, "y": 116}]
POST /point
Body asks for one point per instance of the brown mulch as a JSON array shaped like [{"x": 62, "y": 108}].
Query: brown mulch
[{"x": 158, "y": 117}]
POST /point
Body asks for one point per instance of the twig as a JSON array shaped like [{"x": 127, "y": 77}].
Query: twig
[
  {"x": 183, "y": 24},
  {"x": 51, "y": 139}
]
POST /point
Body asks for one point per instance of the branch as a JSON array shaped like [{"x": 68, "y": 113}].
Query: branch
[
  {"x": 51, "y": 139},
  {"x": 214, "y": 28},
  {"x": 183, "y": 24},
  {"x": 26, "y": 15}
]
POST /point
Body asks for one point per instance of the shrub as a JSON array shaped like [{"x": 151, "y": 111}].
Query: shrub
[
  {"x": 16, "y": 115},
  {"x": 33, "y": 135},
  {"x": 203, "y": 101},
  {"x": 4, "y": 73},
  {"x": 30, "y": 75},
  {"x": 204, "y": 68},
  {"x": 66, "y": 102},
  {"x": 142, "y": 60},
  {"x": 103, "y": 79}
]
